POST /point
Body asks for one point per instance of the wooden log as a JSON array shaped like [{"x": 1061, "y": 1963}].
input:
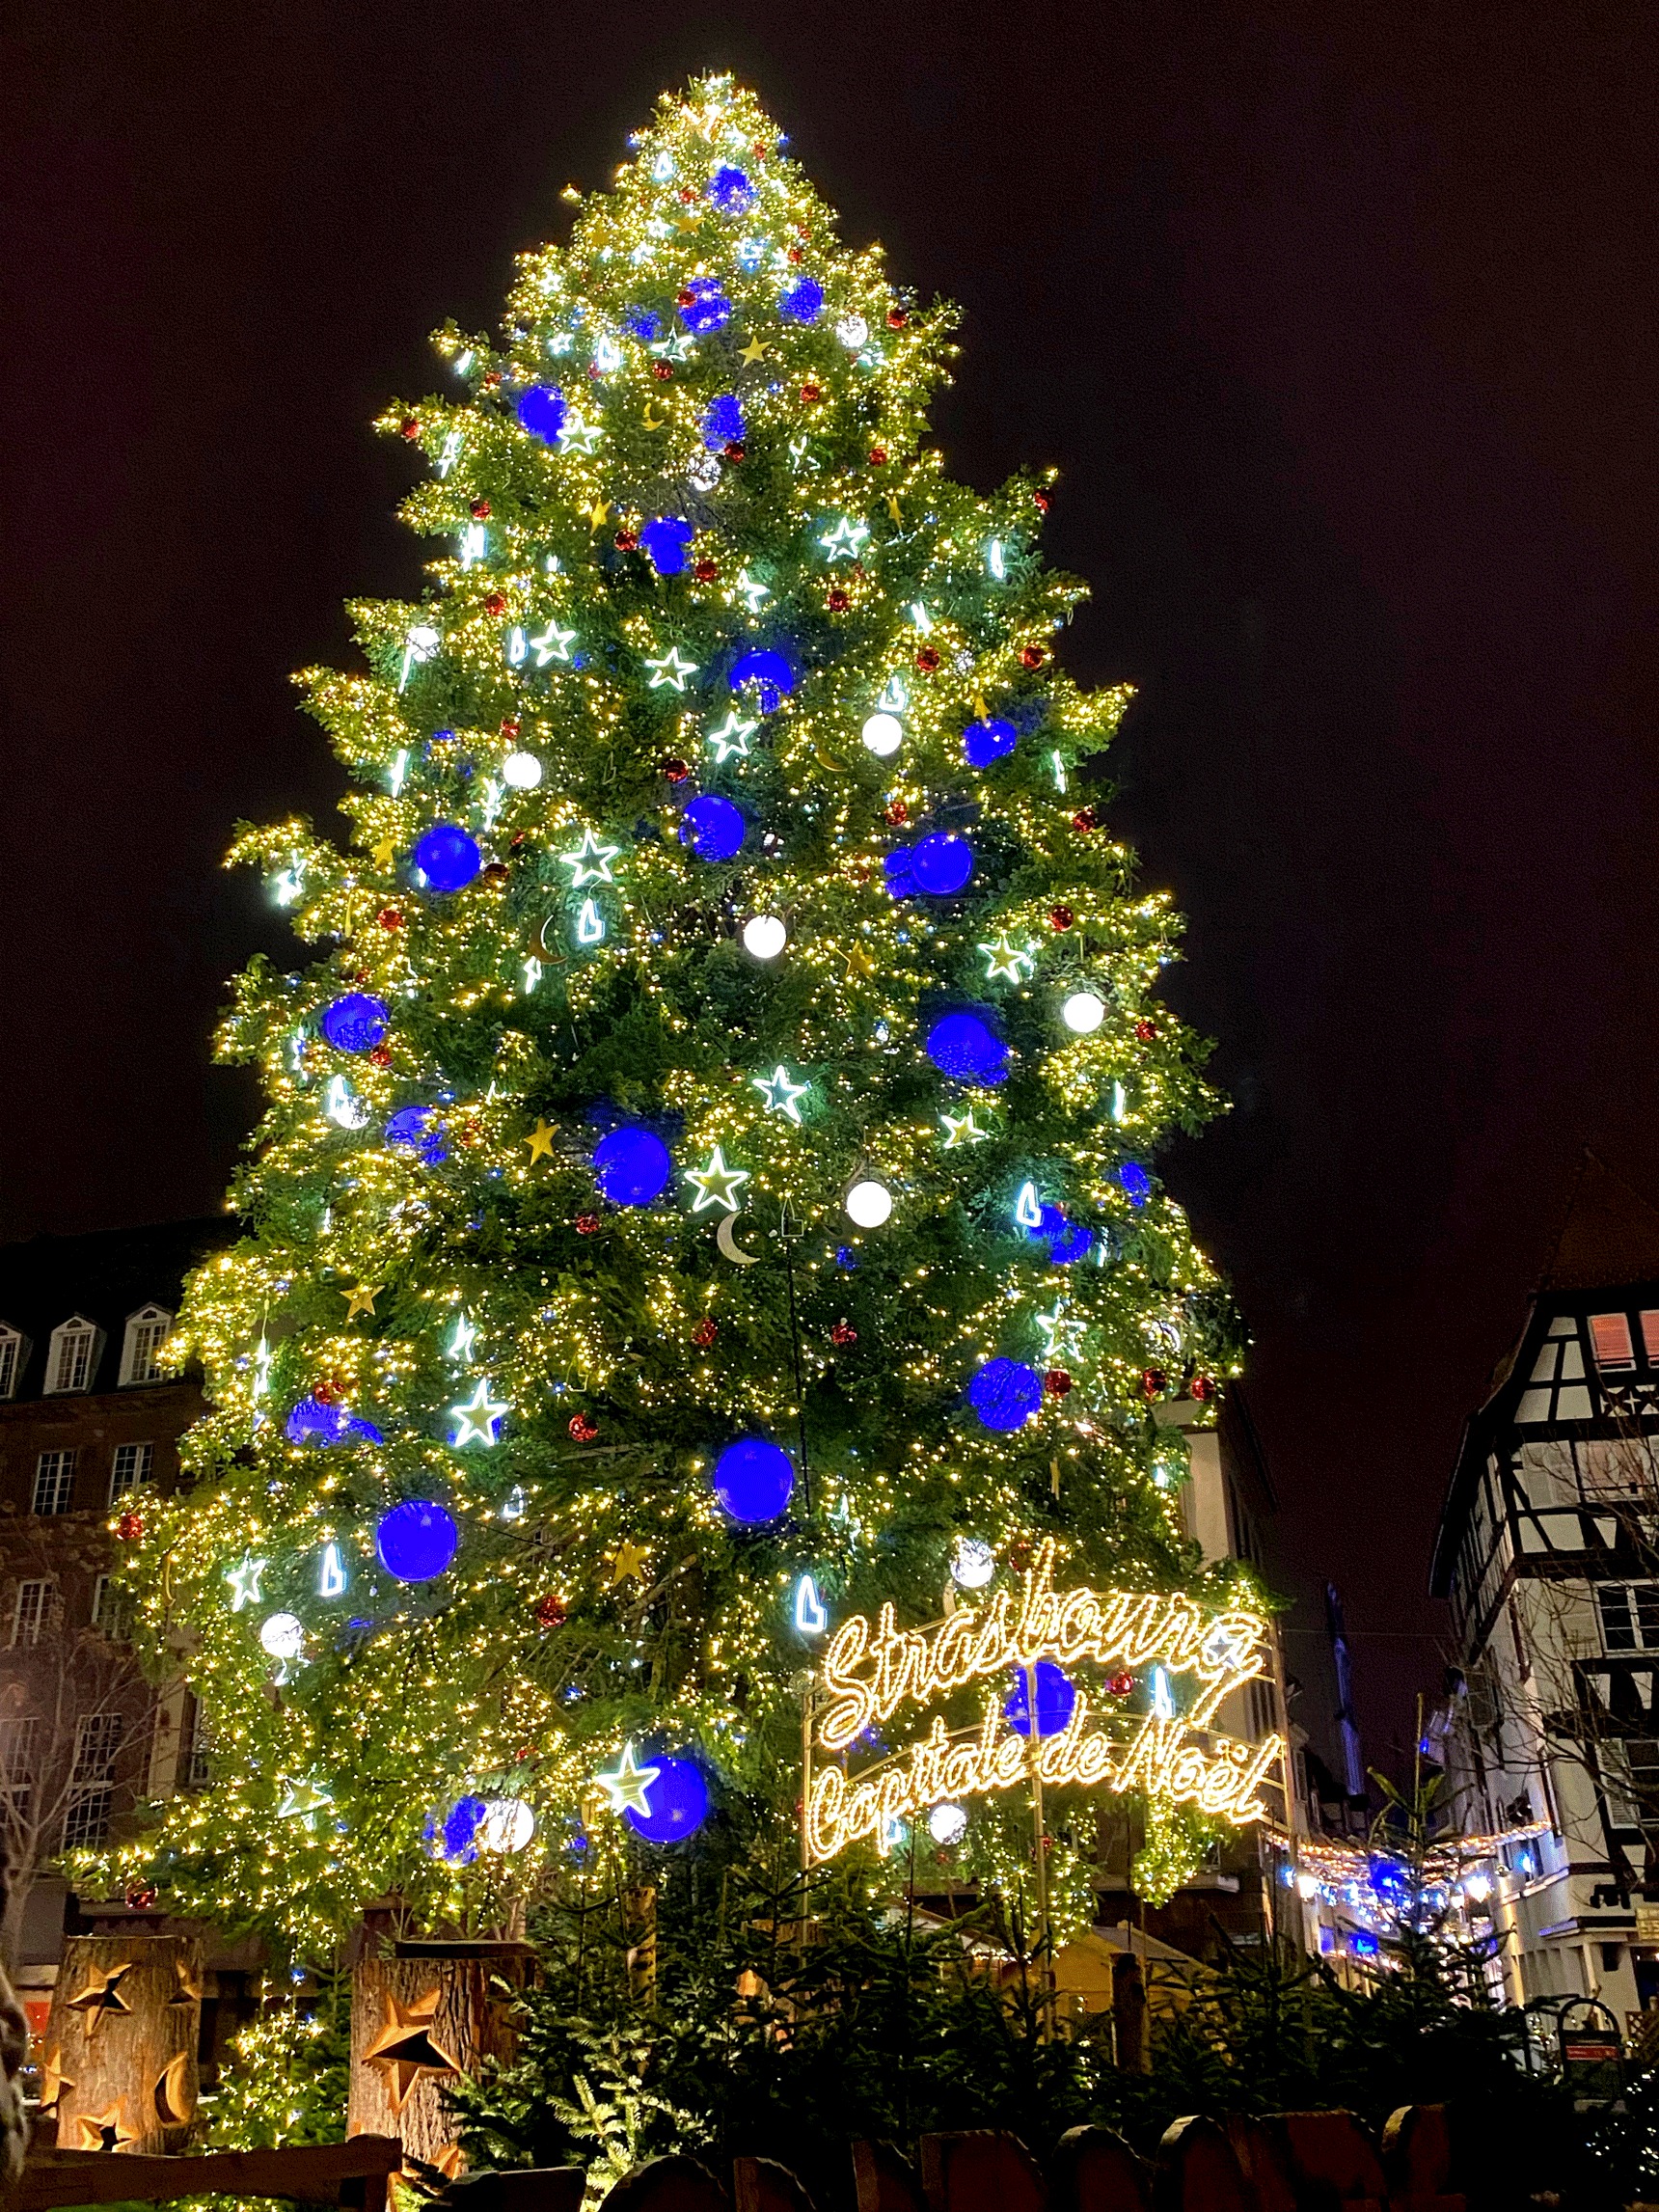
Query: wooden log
[
  {"x": 1416, "y": 2151},
  {"x": 1263, "y": 2162},
  {"x": 119, "y": 2068},
  {"x": 671, "y": 2184},
  {"x": 763, "y": 2185},
  {"x": 319, "y": 2173},
  {"x": 884, "y": 2180},
  {"x": 1095, "y": 2170},
  {"x": 1330, "y": 2157},
  {"x": 420, "y": 2020},
  {"x": 518, "y": 2189},
  {"x": 1196, "y": 2171},
  {"x": 979, "y": 2170}
]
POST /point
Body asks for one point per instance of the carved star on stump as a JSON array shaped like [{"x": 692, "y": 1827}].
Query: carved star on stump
[
  {"x": 104, "y": 2130},
  {"x": 405, "y": 2049},
  {"x": 99, "y": 1997}
]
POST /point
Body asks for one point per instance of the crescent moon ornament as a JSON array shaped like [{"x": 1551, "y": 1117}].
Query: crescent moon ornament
[{"x": 727, "y": 1240}]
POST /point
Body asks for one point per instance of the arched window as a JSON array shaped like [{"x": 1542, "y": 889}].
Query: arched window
[
  {"x": 72, "y": 1362},
  {"x": 146, "y": 1334}
]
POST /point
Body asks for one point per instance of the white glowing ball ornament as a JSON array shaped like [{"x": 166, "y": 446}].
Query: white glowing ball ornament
[
  {"x": 974, "y": 1564},
  {"x": 520, "y": 771},
  {"x": 764, "y": 936},
  {"x": 284, "y": 1636},
  {"x": 948, "y": 1824},
  {"x": 869, "y": 1204},
  {"x": 883, "y": 734},
  {"x": 507, "y": 1824},
  {"x": 1084, "y": 1012}
]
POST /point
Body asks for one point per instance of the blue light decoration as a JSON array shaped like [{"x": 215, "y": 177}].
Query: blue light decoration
[
  {"x": 967, "y": 1048},
  {"x": 983, "y": 742},
  {"x": 311, "y": 1422},
  {"x": 1057, "y": 1700},
  {"x": 730, "y": 190},
  {"x": 416, "y": 1541},
  {"x": 811, "y": 1614},
  {"x": 1362, "y": 1944},
  {"x": 803, "y": 302},
  {"x": 418, "y": 1129},
  {"x": 1136, "y": 1181},
  {"x": 942, "y": 863},
  {"x": 1005, "y": 1393},
  {"x": 713, "y": 828},
  {"x": 708, "y": 309},
  {"x": 679, "y": 1801},
  {"x": 767, "y": 669},
  {"x": 447, "y": 858},
  {"x": 355, "y": 1023},
  {"x": 632, "y": 1166},
  {"x": 452, "y": 1835},
  {"x": 642, "y": 322},
  {"x": 666, "y": 540},
  {"x": 754, "y": 1478},
  {"x": 1068, "y": 1241},
  {"x": 541, "y": 412},
  {"x": 722, "y": 422}
]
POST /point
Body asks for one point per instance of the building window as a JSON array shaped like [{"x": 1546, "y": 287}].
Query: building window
[
  {"x": 91, "y": 1781},
  {"x": 54, "y": 1481},
  {"x": 1650, "y": 1337},
  {"x": 129, "y": 1467},
  {"x": 30, "y": 1614},
  {"x": 198, "y": 1771},
  {"x": 1610, "y": 1334},
  {"x": 19, "y": 1763},
  {"x": 112, "y": 1609},
  {"x": 1629, "y": 1616},
  {"x": 73, "y": 1356},
  {"x": 1630, "y": 1771},
  {"x": 146, "y": 1334},
  {"x": 14, "y": 1351}
]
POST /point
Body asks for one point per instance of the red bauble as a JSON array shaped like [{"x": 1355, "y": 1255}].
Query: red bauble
[
  {"x": 1146, "y": 1031},
  {"x": 705, "y": 1332},
  {"x": 927, "y": 660},
  {"x": 1201, "y": 1387},
  {"x": 482, "y": 509},
  {"x": 326, "y": 1394},
  {"x": 843, "y": 1333},
  {"x": 550, "y": 1611},
  {"x": 687, "y": 194},
  {"x": 1032, "y": 657},
  {"x": 687, "y": 298},
  {"x": 1154, "y": 1382},
  {"x": 584, "y": 1427},
  {"x": 897, "y": 815},
  {"x": 896, "y": 318},
  {"x": 1020, "y": 1553},
  {"x": 511, "y": 727},
  {"x": 492, "y": 379},
  {"x": 131, "y": 1527},
  {"x": 733, "y": 452},
  {"x": 795, "y": 255},
  {"x": 388, "y": 918},
  {"x": 627, "y": 540},
  {"x": 706, "y": 571},
  {"x": 496, "y": 603},
  {"x": 1041, "y": 499},
  {"x": 1086, "y": 818},
  {"x": 662, "y": 370},
  {"x": 497, "y": 872},
  {"x": 1061, "y": 917},
  {"x": 1121, "y": 1684},
  {"x": 878, "y": 456},
  {"x": 1056, "y": 1382},
  {"x": 380, "y": 1057},
  {"x": 410, "y": 428},
  {"x": 812, "y": 394},
  {"x": 141, "y": 1897},
  {"x": 675, "y": 769},
  {"x": 837, "y": 601}
]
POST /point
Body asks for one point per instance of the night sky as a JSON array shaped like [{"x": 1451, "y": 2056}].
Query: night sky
[{"x": 1340, "y": 325}]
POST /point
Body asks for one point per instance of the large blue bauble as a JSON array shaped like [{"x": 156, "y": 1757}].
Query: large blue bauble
[
  {"x": 1057, "y": 1700},
  {"x": 983, "y": 742},
  {"x": 1005, "y": 1393},
  {"x": 356, "y": 1023},
  {"x": 713, "y": 828},
  {"x": 803, "y": 302},
  {"x": 311, "y": 1422},
  {"x": 419, "y": 1127},
  {"x": 709, "y": 307},
  {"x": 768, "y": 670},
  {"x": 454, "y": 1833},
  {"x": 416, "y": 1541},
  {"x": 1136, "y": 1181},
  {"x": 666, "y": 541},
  {"x": 968, "y": 1048},
  {"x": 941, "y": 863},
  {"x": 541, "y": 411},
  {"x": 730, "y": 190},
  {"x": 679, "y": 1801},
  {"x": 447, "y": 858},
  {"x": 722, "y": 422},
  {"x": 632, "y": 1166},
  {"x": 754, "y": 1478}
]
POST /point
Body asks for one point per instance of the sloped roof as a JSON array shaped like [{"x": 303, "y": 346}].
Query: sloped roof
[{"x": 1609, "y": 1234}]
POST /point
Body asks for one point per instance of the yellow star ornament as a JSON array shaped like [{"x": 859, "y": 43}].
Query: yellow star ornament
[
  {"x": 359, "y": 1301},
  {"x": 629, "y": 1564},
  {"x": 540, "y": 1140},
  {"x": 752, "y": 353}
]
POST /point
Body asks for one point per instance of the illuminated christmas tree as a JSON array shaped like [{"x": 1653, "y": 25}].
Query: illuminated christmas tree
[{"x": 706, "y": 1191}]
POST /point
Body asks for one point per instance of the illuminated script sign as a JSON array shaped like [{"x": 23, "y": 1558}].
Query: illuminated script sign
[{"x": 1171, "y": 1753}]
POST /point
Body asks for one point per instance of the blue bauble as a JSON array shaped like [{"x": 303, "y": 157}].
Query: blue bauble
[
  {"x": 311, "y": 1422},
  {"x": 679, "y": 1801},
  {"x": 941, "y": 863},
  {"x": 983, "y": 742},
  {"x": 722, "y": 422},
  {"x": 541, "y": 411},
  {"x": 632, "y": 1166},
  {"x": 731, "y": 191},
  {"x": 416, "y": 1541},
  {"x": 968, "y": 1048},
  {"x": 803, "y": 302},
  {"x": 770, "y": 670},
  {"x": 1069, "y": 1243},
  {"x": 419, "y": 1127},
  {"x": 642, "y": 322},
  {"x": 356, "y": 1023},
  {"x": 447, "y": 858},
  {"x": 1057, "y": 1700},
  {"x": 1136, "y": 1181},
  {"x": 1005, "y": 1393},
  {"x": 713, "y": 828},
  {"x": 454, "y": 1833},
  {"x": 753, "y": 1480},
  {"x": 666, "y": 541},
  {"x": 709, "y": 307}
]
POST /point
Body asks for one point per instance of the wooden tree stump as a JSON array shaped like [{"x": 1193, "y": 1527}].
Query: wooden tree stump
[
  {"x": 119, "y": 2062},
  {"x": 420, "y": 2020}
]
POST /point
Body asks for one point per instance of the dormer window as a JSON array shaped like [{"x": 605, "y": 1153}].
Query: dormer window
[
  {"x": 14, "y": 1352},
  {"x": 146, "y": 1333},
  {"x": 1610, "y": 1334},
  {"x": 73, "y": 1358}
]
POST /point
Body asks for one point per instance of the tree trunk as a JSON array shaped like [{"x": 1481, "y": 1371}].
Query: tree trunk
[
  {"x": 119, "y": 2065},
  {"x": 421, "y": 2019}
]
